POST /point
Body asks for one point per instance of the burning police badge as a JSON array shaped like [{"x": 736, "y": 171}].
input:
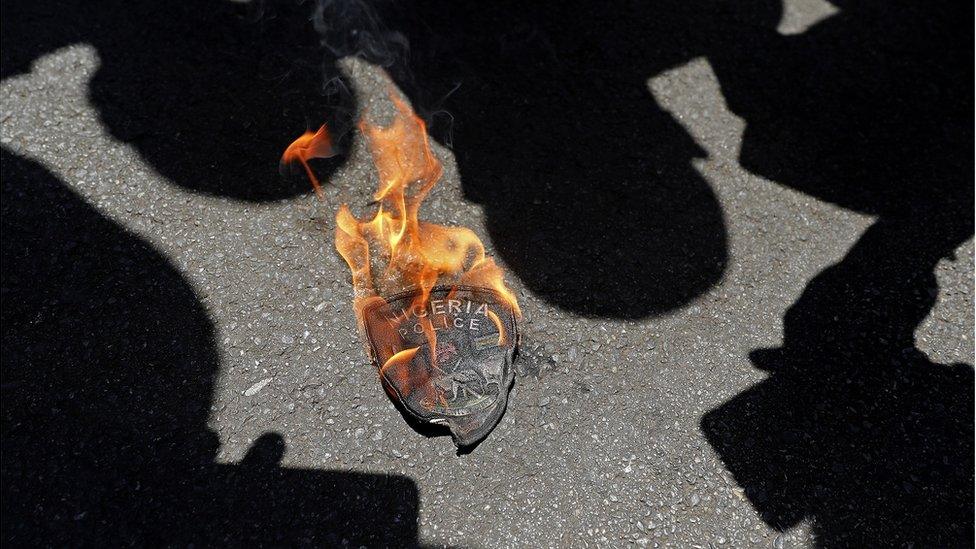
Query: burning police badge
[
  {"x": 446, "y": 359},
  {"x": 445, "y": 337}
]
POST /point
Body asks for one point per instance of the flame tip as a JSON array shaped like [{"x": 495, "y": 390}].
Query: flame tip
[{"x": 317, "y": 144}]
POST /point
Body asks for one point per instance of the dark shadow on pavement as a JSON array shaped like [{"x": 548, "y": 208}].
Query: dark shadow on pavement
[
  {"x": 587, "y": 185},
  {"x": 856, "y": 430},
  {"x": 108, "y": 370},
  {"x": 590, "y": 197},
  {"x": 209, "y": 93}
]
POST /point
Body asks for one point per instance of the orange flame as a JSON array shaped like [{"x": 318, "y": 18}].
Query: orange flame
[
  {"x": 416, "y": 254},
  {"x": 502, "y": 336},
  {"x": 395, "y": 251},
  {"x": 310, "y": 145}
]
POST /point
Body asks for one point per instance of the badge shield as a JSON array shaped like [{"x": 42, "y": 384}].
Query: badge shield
[{"x": 448, "y": 361}]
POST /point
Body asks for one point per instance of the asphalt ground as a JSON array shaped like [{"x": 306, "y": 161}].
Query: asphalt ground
[{"x": 714, "y": 352}]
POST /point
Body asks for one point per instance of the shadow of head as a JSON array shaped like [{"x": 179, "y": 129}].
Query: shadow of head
[
  {"x": 209, "y": 93},
  {"x": 856, "y": 429},
  {"x": 587, "y": 186},
  {"x": 869, "y": 453},
  {"x": 867, "y": 109},
  {"x": 109, "y": 362}
]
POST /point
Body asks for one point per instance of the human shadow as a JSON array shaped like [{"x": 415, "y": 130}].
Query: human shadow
[
  {"x": 856, "y": 430},
  {"x": 108, "y": 371},
  {"x": 586, "y": 184},
  {"x": 583, "y": 181},
  {"x": 209, "y": 93}
]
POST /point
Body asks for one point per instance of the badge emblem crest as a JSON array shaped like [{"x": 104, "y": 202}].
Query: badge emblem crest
[{"x": 448, "y": 362}]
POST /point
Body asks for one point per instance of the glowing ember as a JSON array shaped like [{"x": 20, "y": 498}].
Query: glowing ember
[{"x": 439, "y": 321}]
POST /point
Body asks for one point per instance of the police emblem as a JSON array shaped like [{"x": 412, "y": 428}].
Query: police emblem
[{"x": 446, "y": 359}]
